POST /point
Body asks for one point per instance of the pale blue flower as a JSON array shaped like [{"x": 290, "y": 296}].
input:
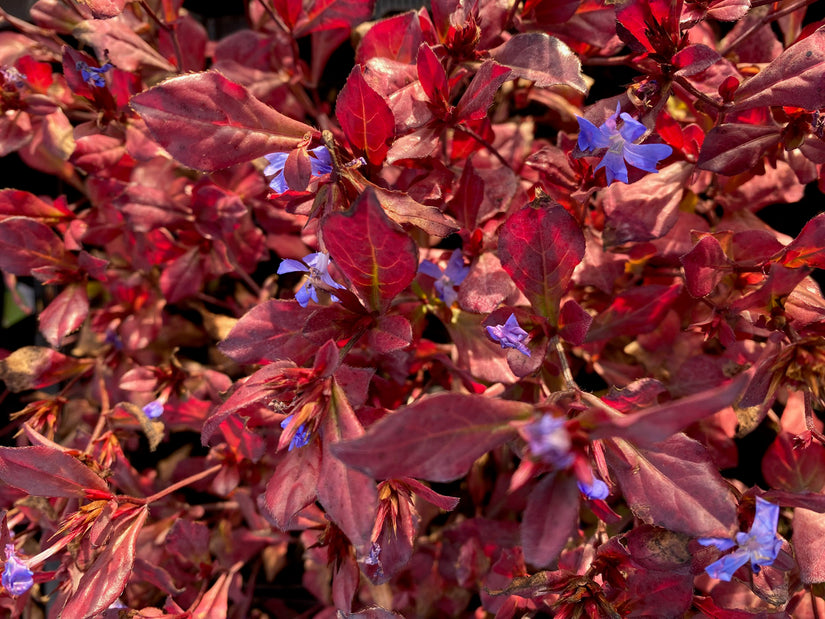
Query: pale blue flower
[
  {"x": 301, "y": 436},
  {"x": 154, "y": 409},
  {"x": 93, "y": 74},
  {"x": 597, "y": 490},
  {"x": 620, "y": 147},
  {"x": 549, "y": 440},
  {"x": 317, "y": 265},
  {"x": 319, "y": 161},
  {"x": 17, "y": 578},
  {"x": 449, "y": 278},
  {"x": 510, "y": 335},
  {"x": 760, "y": 545}
]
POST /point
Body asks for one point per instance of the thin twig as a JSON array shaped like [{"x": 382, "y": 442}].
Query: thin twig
[{"x": 484, "y": 143}]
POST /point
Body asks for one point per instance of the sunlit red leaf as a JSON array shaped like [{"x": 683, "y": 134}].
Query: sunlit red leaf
[
  {"x": 14, "y": 202},
  {"x": 65, "y": 314},
  {"x": 539, "y": 247},
  {"x": 103, "y": 9},
  {"x": 27, "y": 244},
  {"x": 391, "y": 261},
  {"x": 638, "y": 310},
  {"x": 542, "y": 59},
  {"x": 808, "y": 248},
  {"x": 365, "y": 117},
  {"x": 733, "y": 148},
  {"x": 207, "y": 122},
  {"x": 479, "y": 95},
  {"x": 293, "y": 486},
  {"x": 796, "y": 468},
  {"x": 116, "y": 39},
  {"x": 44, "y": 471},
  {"x": 809, "y": 544},
  {"x": 437, "y": 438}
]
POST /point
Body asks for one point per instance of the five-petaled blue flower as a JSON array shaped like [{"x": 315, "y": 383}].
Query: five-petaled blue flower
[
  {"x": 449, "y": 278},
  {"x": 154, "y": 409},
  {"x": 510, "y": 335},
  {"x": 93, "y": 74},
  {"x": 17, "y": 578},
  {"x": 597, "y": 490},
  {"x": 549, "y": 440},
  {"x": 319, "y": 160},
  {"x": 760, "y": 545},
  {"x": 317, "y": 265},
  {"x": 620, "y": 147},
  {"x": 301, "y": 436}
]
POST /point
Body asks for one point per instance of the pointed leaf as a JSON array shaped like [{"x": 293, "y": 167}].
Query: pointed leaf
[
  {"x": 390, "y": 333},
  {"x": 293, "y": 486},
  {"x": 44, "y": 471},
  {"x": 437, "y": 438},
  {"x": 674, "y": 485},
  {"x": 638, "y": 310},
  {"x": 22, "y": 203},
  {"x": 482, "y": 90},
  {"x": 65, "y": 314},
  {"x": 27, "y": 244},
  {"x": 539, "y": 247},
  {"x": 809, "y": 545},
  {"x": 542, "y": 59},
  {"x": 35, "y": 367},
  {"x": 117, "y": 40},
  {"x": 207, "y": 122},
  {"x": 795, "y": 468},
  {"x": 733, "y": 148},
  {"x": 809, "y": 247},
  {"x": 432, "y": 76},
  {"x": 373, "y": 252},
  {"x": 705, "y": 265},
  {"x": 550, "y": 518},
  {"x": 365, "y": 117}
]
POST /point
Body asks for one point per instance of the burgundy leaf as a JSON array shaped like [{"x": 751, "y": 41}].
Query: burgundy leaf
[
  {"x": 809, "y": 545},
  {"x": 433, "y": 77},
  {"x": 486, "y": 287},
  {"x": 117, "y": 40},
  {"x": 396, "y": 38},
  {"x": 27, "y": 244},
  {"x": 390, "y": 333},
  {"x": 638, "y": 310},
  {"x": 268, "y": 332},
  {"x": 795, "y": 468},
  {"x": 14, "y": 202},
  {"x": 550, "y": 518},
  {"x": 733, "y": 148},
  {"x": 105, "y": 580},
  {"x": 807, "y": 249},
  {"x": 674, "y": 485},
  {"x": 403, "y": 209},
  {"x": 365, "y": 117},
  {"x": 207, "y": 122},
  {"x": 437, "y": 438},
  {"x": 705, "y": 265},
  {"x": 103, "y": 9},
  {"x": 44, "y": 471},
  {"x": 574, "y": 322},
  {"x": 539, "y": 247},
  {"x": 293, "y": 486},
  {"x": 392, "y": 260},
  {"x": 482, "y": 90},
  {"x": 542, "y": 59},
  {"x": 348, "y": 496},
  {"x": 65, "y": 314}
]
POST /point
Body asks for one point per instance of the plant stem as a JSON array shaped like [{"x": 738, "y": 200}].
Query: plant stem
[{"x": 184, "y": 482}]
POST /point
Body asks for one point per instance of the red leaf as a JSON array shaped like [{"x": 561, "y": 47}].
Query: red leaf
[
  {"x": 27, "y": 244},
  {"x": 550, "y": 518},
  {"x": 396, "y": 38},
  {"x": 392, "y": 260},
  {"x": 809, "y": 545},
  {"x": 404, "y": 210},
  {"x": 348, "y": 496},
  {"x": 268, "y": 332},
  {"x": 207, "y": 122},
  {"x": 433, "y": 77},
  {"x": 539, "y": 247},
  {"x": 365, "y": 117},
  {"x": 482, "y": 90},
  {"x": 22, "y": 203},
  {"x": 116, "y": 39},
  {"x": 674, "y": 485},
  {"x": 795, "y": 468},
  {"x": 297, "y": 170},
  {"x": 65, "y": 314},
  {"x": 487, "y": 286},
  {"x": 469, "y": 197},
  {"x": 390, "y": 333},
  {"x": 792, "y": 78},
  {"x": 43, "y": 471},
  {"x": 705, "y": 265},
  {"x": 809, "y": 247},
  {"x": 733, "y": 148},
  {"x": 437, "y": 438},
  {"x": 574, "y": 322},
  {"x": 35, "y": 367},
  {"x": 105, "y": 580},
  {"x": 214, "y": 603},
  {"x": 293, "y": 486},
  {"x": 638, "y": 310},
  {"x": 542, "y": 59},
  {"x": 103, "y": 9}
]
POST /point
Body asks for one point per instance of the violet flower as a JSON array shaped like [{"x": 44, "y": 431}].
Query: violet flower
[
  {"x": 597, "y": 490},
  {"x": 17, "y": 578},
  {"x": 548, "y": 440},
  {"x": 510, "y": 335},
  {"x": 760, "y": 545},
  {"x": 449, "y": 278},
  {"x": 93, "y": 74},
  {"x": 317, "y": 265},
  {"x": 319, "y": 161},
  {"x": 154, "y": 409},
  {"x": 301, "y": 436},
  {"x": 620, "y": 147}
]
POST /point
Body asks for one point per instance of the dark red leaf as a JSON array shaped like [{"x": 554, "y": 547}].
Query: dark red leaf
[
  {"x": 674, "y": 485},
  {"x": 35, "y": 367},
  {"x": 207, "y": 122},
  {"x": 65, "y": 314},
  {"x": 116, "y": 39},
  {"x": 433, "y": 77},
  {"x": 293, "y": 486},
  {"x": 103, "y": 9},
  {"x": 437, "y": 438},
  {"x": 392, "y": 260},
  {"x": 550, "y": 518},
  {"x": 105, "y": 580},
  {"x": 542, "y": 59},
  {"x": 705, "y": 265},
  {"x": 793, "y": 78},
  {"x": 297, "y": 170},
  {"x": 27, "y": 244},
  {"x": 807, "y": 249},
  {"x": 574, "y": 322},
  {"x": 809, "y": 545},
  {"x": 795, "y": 468},
  {"x": 733, "y": 148},
  {"x": 404, "y": 210},
  {"x": 486, "y": 287},
  {"x": 14, "y": 202},
  {"x": 638, "y": 310},
  {"x": 539, "y": 247},
  {"x": 365, "y": 117},
  {"x": 396, "y": 38},
  {"x": 482, "y": 90},
  {"x": 390, "y": 333},
  {"x": 49, "y": 472}
]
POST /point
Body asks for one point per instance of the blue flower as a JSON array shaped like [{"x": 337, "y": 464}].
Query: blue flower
[
  {"x": 154, "y": 409},
  {"x": 318, "y": 269},
  {"x": 620, "y": 147},
  {"x": 319, "y": 161},
  {"x": 93, "y": 74},
  {"x": 510, "y": 335},
  {"x": 17, "y": 578},
  {"x": 449, "y": 278},
  {"x": 301, "y": 436},
  {"x": 760, "y": 545},
  {"x": 597, "y": 490},
  {"x": 548, "y": 439}
]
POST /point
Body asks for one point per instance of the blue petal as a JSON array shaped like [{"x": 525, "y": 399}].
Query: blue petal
[
  {"x": 614, "y": 166},
  {"x": 303, "y": 295},
  {"x": 456, "y": 271},
  {"x": 722, "y": 543},
  {"x": 632, "y": 129},
  {"x": 153, "y": 410},
  {"x": 321, "y": 163},
  {"x": 590, "y": 138},
  {"x": 430, "y": 269},
  {"x": 764, "y": 521},
  {"x": 724, "y": 568},
  {"x": 597, "y": 490},
  {"x": 291, "y": 266},
  {"x": 278, "y": 183},
  {"x": 646, "y": 156},
  {"x": 277, "y": 161}
]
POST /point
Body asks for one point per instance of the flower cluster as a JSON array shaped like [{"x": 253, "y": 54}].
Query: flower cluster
[
  {"x": 549, "y": 440},
  {"x": 510, "y": 335},
  {"x": 319, "y": 161},
  {"x": 317, "y": 265}
]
